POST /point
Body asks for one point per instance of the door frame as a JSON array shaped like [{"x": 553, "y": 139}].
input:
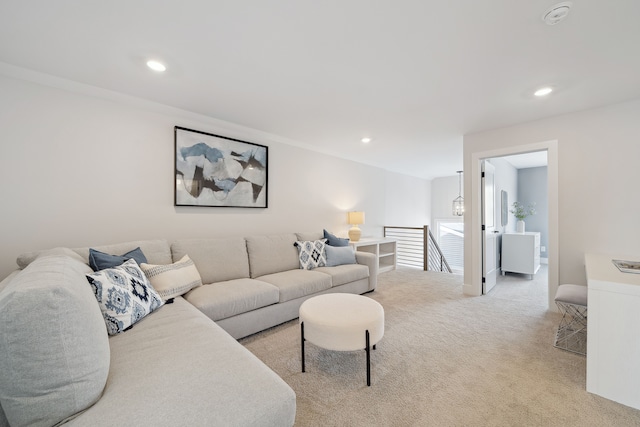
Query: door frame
[
  {"x": 487, "y": 233},
  {"x": 473, "y": 206}
]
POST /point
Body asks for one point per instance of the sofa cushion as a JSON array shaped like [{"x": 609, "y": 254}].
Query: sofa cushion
[
  {"x": 298, "y": 283},
  {"x": 345, "y": 273},
  {"x": 124, "y": 294},
  {"x": 172, "y": 280},
  {"x": 272, "y": 254},
  {"x": 156, "y": 252},
  {"x": 178, "y": 368},
  {"x": 311, "y": 254},
  {"x": 309, "y": 235},
  {"x": 100, "y": 260},
  {"x": 217, "y": 260},
  {"x": 225, "y": 299},
  {"x": 54, "y": 349},
  {"x": 333, "y": 240},
  {"x": 340, "y": 255}
]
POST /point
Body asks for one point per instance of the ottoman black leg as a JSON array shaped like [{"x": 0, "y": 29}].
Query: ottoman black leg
[
  {"x": 302, "y": 341},
  {"x": 368, "y": 360}
]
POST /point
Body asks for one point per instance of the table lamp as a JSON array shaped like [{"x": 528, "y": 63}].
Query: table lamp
[{"x": 355, "y": 219}]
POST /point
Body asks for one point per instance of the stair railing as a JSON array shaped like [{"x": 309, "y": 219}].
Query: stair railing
[{"x": 417, "y": 247}]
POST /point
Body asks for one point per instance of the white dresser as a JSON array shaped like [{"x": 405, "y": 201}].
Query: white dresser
[
  {"x": 613, "y": 330},
  {"x": 521, "y": 253}
]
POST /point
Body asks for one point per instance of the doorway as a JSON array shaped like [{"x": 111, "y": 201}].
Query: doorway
[
  {"x": 473, "y": 221},
  {"x": 521, "y": 254}
]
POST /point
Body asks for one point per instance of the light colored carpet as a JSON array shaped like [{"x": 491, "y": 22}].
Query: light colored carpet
[{"x": 445, "y": 360}]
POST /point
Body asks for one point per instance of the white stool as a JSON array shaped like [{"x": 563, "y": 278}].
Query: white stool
[
  {"x": 342, "y": 322},
  {"x": 572, "y": 331}
]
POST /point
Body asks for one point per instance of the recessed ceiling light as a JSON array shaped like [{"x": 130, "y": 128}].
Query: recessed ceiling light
[
  {"x": 366, "y": 140},
  {"x": 156, "y": 66},
  {"x": 544, "y": 91}
]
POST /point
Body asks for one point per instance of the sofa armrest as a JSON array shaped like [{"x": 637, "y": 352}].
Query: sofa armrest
[{"x": 371, "y": 261}]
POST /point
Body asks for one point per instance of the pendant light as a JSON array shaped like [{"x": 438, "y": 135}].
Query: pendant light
[{"x": 458, "y": 202}]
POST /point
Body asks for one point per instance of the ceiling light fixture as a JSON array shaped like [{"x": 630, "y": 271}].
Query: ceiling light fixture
[
  {"x": 544, "y": 91},
  {"x": 458, "y": 202},
  {"x": 366, "y": 140},
  {"x": 156, "y": 66},
  {"x": 556, "y": 13}
]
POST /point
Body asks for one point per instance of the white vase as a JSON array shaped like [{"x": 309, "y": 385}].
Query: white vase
[{"x": 520, "y": 226}]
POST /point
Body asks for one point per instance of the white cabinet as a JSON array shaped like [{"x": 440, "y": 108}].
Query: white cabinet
[
  {"x": 385, "y": 249},
  {"x": 613, "y": 330},
  {"x": 521, "y": 253}
]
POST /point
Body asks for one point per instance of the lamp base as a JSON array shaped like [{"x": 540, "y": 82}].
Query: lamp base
[{"x": 354, "y": 233}]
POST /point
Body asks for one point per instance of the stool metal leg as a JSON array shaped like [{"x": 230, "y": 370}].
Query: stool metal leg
[
  {"x": 368, "y": 359},
  {"x": 302, "y": 342}
]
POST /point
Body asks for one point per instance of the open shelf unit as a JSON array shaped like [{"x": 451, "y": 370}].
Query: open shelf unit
[{"x": 385, "y": 249}]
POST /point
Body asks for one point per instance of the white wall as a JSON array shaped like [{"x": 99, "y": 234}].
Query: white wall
[
  {"x": 505, "y": 178},
  {"x": 81, "y": 170},
  {"x": 597, "y": 155},
  {"x": 443, "y": 191},
  {"x": 532, "y": 187},
  {"x": 407, "y": 201}
]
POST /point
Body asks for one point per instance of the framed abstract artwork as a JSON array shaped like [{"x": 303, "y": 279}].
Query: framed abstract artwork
[{"x": 213, "y": 170}]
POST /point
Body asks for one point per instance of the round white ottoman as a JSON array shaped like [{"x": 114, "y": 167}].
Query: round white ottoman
[{"x": 342, "y": 322}]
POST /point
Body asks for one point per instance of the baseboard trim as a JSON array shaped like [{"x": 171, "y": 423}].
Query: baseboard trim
[{"x": 467, "y": 289}]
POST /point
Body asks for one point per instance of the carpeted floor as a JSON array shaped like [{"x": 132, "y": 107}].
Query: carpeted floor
[{"x": 445, "y": 360}]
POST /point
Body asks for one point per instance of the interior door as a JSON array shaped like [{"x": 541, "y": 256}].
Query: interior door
[{"x": 489, "y": 239}]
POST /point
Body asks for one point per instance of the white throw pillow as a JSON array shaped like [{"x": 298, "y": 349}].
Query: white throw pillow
[
  {"x": 173, "y": 280},
  {"x": 312, "y": 253},
  {"x": 124, "y": 294}
]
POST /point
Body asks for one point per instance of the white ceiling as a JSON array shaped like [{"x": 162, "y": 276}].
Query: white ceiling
[{"x": 415, "y": 75}]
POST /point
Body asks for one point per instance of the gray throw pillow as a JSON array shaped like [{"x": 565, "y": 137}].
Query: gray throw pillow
[
  {"x": 333, "y": 240},
  {"x": 100, "y": 260},
  {"x": 340, "y": 255}
]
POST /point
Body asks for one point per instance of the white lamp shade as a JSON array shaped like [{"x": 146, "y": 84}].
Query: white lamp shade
[{"x": 355, "y": 218}]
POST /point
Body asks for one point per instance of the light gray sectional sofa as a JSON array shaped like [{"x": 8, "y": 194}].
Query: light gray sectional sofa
[
  {"x": 254, "y": 283},
  {"x": 175, "y": 366}
]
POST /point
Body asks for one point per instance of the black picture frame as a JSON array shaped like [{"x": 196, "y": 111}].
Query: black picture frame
[{"x": 218, "y": 171}]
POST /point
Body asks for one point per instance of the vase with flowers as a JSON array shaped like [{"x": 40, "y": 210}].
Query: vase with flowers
[{"x": 520, "y": 212}]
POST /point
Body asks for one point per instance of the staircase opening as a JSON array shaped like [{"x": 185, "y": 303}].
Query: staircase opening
[{"x": 417, "y": 247}]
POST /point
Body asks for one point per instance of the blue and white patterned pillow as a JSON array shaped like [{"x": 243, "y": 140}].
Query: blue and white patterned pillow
[
  {"x": 124, "y": 294},
  {"x": 312, "y": 253}
]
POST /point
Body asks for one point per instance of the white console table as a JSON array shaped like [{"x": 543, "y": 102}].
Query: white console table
[
  {"x": 613, "y": 330},
  {"x": 384, "y": 248},
  {"x": 521, "y": 253}
]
